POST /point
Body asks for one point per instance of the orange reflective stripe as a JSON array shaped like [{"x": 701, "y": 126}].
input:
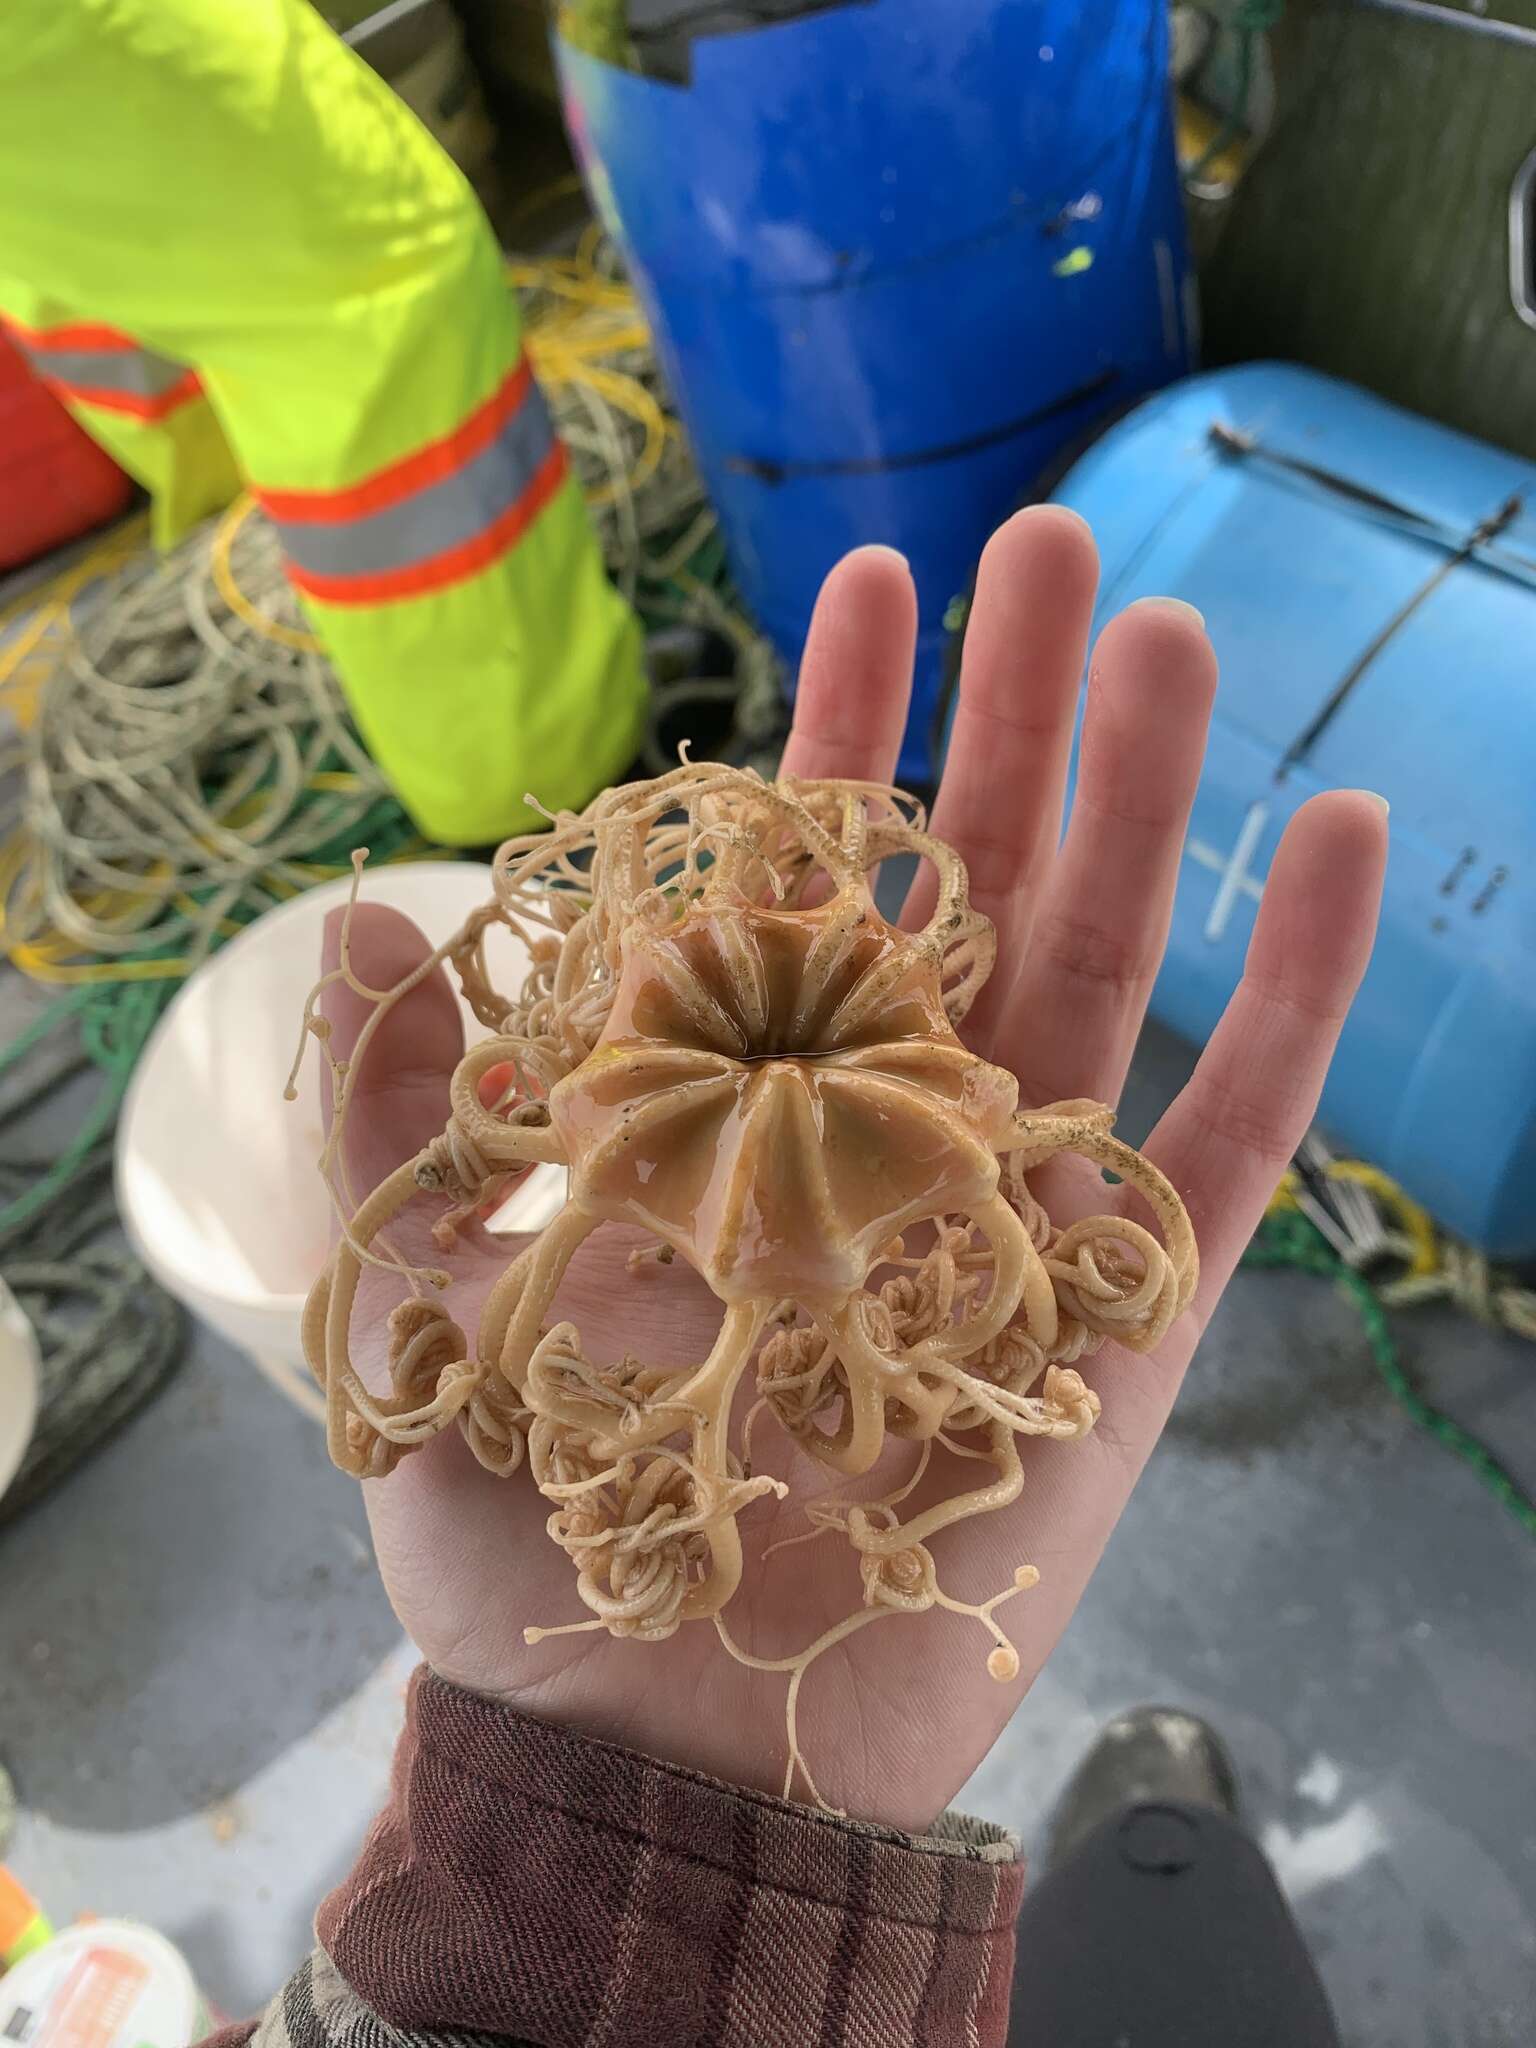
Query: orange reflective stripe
[
  {"x": 411, "y": 473},
  {"x": 89, "y": 334},
  {"x": 452, "y": 564},
  {"x": 433, "y": 517},
  {"x": 89, "y": 364},
  {"x": 137, "y": 405}
]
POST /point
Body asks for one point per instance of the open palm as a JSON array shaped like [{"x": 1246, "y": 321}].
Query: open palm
[{"x": 895, "y": 1719}]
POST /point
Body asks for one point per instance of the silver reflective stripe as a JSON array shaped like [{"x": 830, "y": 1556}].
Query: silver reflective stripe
[
  {"x": 133, "y": 371},
  {"x": 436, "y": 517}
]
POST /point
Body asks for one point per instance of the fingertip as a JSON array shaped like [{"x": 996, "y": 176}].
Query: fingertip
[
  {"x": 856, "y": 671},
  {"x": 1064, "y": 519},
  {"x": 1340, "y": 829},
  {"x": 1059, "y": 510},
  {"x": 1370, "y": 797},
  {"x": 1323, "y": 896},
  {"x": 1168, "y": 620},
  {"x": 1160, "y": 642},
  {"x": 872, "y": 578},
  {"x": 1054, "y": 537},
  {"x": 1178, "y": 608},
  {"x": 880, "y": 552}
]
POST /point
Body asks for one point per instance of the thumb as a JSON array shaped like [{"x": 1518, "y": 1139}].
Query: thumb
[{"x": 399, "y": 1095}]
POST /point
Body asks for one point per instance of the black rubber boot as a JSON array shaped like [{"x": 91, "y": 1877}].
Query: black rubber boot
[
  {"x": 1147, "y": 1755},
  {"x": 1158, "y": 1922}
]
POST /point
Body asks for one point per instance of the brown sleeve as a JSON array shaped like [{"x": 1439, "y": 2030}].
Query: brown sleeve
[{"x": 532, "y": 1883}]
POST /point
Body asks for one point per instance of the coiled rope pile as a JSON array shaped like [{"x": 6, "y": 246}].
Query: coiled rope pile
[
  {"x": 189, "y": 756},
  {"x": 186, "y": 762}
]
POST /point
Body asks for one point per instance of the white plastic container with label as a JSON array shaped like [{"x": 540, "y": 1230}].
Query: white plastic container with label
[{"x": 105, "y": 1984}]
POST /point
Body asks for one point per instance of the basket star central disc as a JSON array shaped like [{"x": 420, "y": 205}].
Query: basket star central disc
[{"x": 778, "y": 1093}]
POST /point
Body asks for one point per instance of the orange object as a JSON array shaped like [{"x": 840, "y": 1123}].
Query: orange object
[
  {"x": 55, "y": 483},
  {"x": 23, "y": 1927}
]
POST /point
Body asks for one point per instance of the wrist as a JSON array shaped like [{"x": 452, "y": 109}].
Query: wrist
[
  {"x": 721, "y": 1742},
  {"x": 738, "y": 1897}
]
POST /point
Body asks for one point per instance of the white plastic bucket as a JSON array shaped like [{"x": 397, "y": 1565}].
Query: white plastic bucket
[
  {"x": 18, "y": 1385},
  {"x": 217, "y": 1176}
]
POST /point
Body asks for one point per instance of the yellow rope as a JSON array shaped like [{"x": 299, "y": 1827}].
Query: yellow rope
[
  {"x": 58, "y": 953},
  {"x": 1414, "y": 1223},
  {"x": 1436, "y": 1268},
  {"x": 27, "y": 661},
  {"x": 579, "y": 323},
  {"x": 225, "y": 583}
]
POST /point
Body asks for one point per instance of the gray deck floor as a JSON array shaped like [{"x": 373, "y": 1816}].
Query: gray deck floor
[{"x": 200, "y": 1678}]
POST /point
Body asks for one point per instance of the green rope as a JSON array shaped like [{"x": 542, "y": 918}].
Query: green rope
[
  {"x": 114, "y": 1020},
  {"x": 107, "y": 1335},
  {"x": 1290, "y": 1242},
  {"x": 110, "y": 1022}
]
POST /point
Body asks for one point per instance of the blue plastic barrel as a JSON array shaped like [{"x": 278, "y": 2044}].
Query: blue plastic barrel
[
  {"x": 896, "y": 254},
  {"x": 1301, "y": 552}
]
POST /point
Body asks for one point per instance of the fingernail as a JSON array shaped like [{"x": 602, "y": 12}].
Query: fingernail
[
  {"x": 1376, "y": 798},
  {"x": 1171, "y": 604},
  {"x": 1070, "y": 511},
  {"x": 879, "y": 547}
]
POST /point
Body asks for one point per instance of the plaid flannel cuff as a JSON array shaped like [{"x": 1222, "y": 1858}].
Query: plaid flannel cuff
[{"x": 534, "y": 1883}]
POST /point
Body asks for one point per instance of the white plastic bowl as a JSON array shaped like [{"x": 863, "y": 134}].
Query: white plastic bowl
[
  {"x": 217, "y": 1176},
  {"x": 18, "y": 1385}
]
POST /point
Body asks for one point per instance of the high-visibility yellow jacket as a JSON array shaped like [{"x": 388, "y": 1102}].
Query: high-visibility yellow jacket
[{"x": 214, "y": 216}]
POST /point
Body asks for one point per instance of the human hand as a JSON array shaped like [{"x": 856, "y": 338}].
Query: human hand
[{"x": 895, "y": 1718}]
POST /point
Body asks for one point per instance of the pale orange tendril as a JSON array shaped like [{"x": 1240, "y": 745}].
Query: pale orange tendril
[{"x": 726, "y": 1043}]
